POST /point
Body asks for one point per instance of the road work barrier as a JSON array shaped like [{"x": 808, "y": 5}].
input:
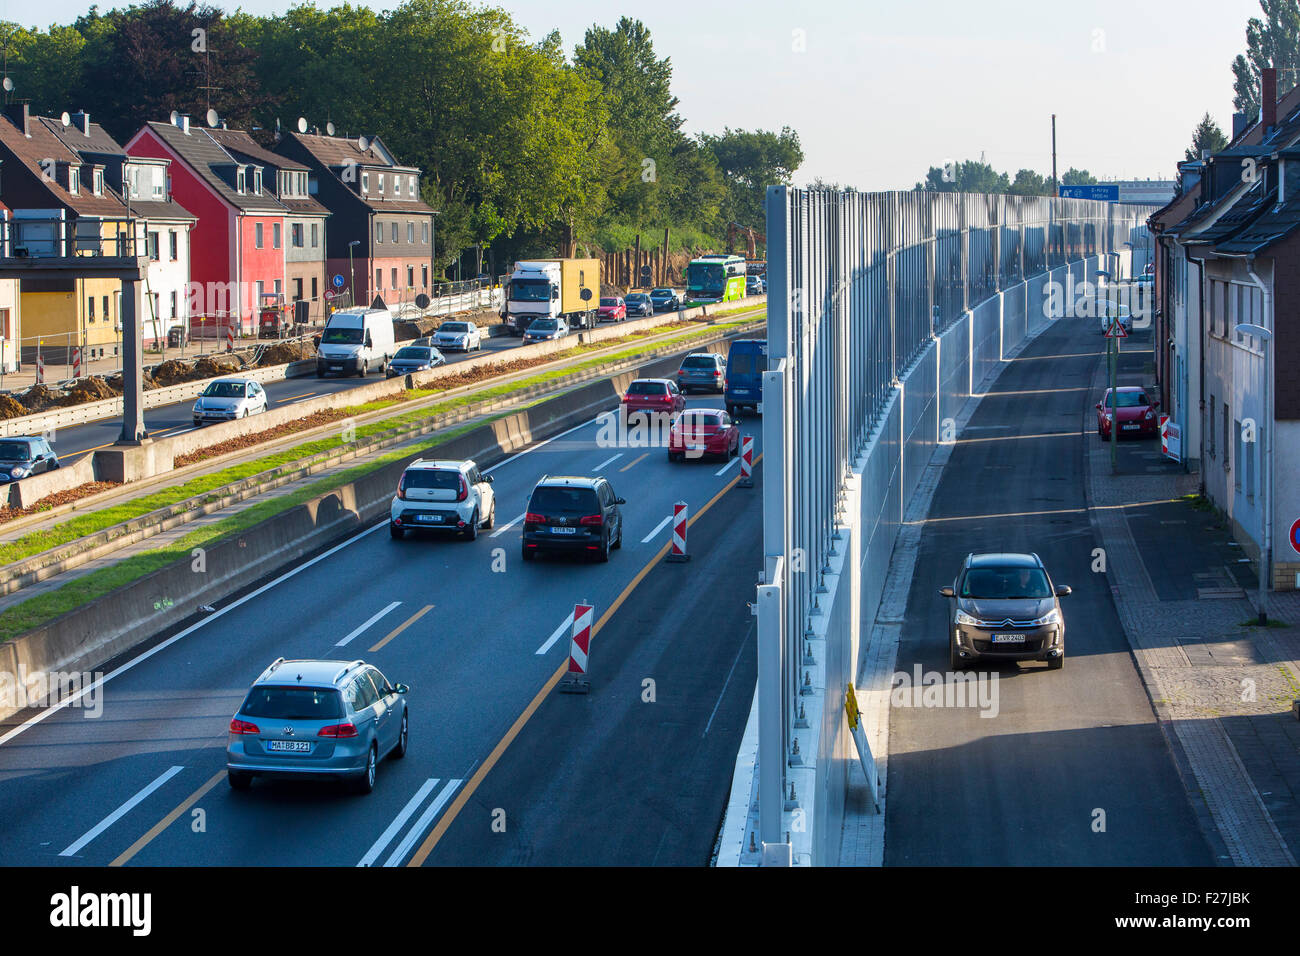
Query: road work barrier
[
  {"x": 575, "y": 679},
  {"x": 677, "y": 553},
  {"x": 747, "y": 462}
]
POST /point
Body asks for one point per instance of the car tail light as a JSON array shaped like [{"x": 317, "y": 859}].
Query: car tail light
[
  {"x": 238, "y": 726},
  {"x": 401, "y": 487},
  {"x": 338, "y": 730},
  {"x": 593, "y": 520},
  {"x": 533, "y": 517},
  {"x": 464, "y": 489}
]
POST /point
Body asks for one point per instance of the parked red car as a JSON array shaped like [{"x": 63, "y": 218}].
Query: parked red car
[
  {"x": 612, "y": 309},
  {"x": 659, "y": 395},
  {"x": 1135, "y": 409},
  {"x": 703, "y": 431}
]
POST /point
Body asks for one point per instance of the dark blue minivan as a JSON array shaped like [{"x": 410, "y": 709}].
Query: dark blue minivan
[{"x": 746, "y": 363}]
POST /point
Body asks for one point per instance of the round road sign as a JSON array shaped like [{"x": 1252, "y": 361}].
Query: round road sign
[
  {"x": 1295, "y": 535},
  {"x": 338, "y": 280}
]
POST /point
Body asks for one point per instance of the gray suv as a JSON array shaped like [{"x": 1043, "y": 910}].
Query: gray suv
[
  {"x": 1004, "y": 607},
  {"x": 305, "y": 719}
]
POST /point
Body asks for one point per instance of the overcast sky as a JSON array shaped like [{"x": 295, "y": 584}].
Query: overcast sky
[{"x": 879, "y": 92}]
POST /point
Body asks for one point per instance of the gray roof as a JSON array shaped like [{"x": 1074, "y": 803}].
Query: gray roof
[{"x": 203, "y": 154}]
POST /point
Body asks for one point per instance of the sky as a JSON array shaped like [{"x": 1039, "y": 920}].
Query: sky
[{"x": 881, "y": 91}]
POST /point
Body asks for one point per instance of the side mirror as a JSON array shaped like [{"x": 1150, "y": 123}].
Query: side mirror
[
  {"x": 947, "y": 592},
  {"x": 1099, "y": 406},
  {"x": 620, "y": 501},
  {"x": 401, "y": 688},
  {"x": 489, "y": 478},
  {"x": 1063, "y": 590},
  {"x": 40, "y": 457}
]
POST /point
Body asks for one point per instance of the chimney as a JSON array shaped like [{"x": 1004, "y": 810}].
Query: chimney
[
  {"x": 183, "y": 124},
  {"x": 1238, "y": 124},
  {"x": 20, "y": 114},
  {"x": 81, "y": 120},
  {"x": 1268, "y": 98}
]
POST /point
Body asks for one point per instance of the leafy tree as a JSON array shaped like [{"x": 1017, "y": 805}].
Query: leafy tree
[
  {"x": 1273, "y": 41},
  {"x": 1030, "y": 183},
  {"x": 751, "y": 161},
  {"x": 970, "y": 176},
  {"x": 1078, "y": 177}
]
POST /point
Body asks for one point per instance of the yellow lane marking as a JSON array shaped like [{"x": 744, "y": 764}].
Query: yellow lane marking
[
  {"x": 634, "y": 461},
  {"x": 403, "y": 626},
  {"x": 485, "y": 768},
  {"x": 168, "y": 820},
  {"x": 295, "y": 397}
]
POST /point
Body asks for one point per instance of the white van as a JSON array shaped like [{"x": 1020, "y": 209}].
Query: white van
[{"x": 356, "y": 341}]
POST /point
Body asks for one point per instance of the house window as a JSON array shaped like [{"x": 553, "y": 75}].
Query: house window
[
  {"x": 312, "y": 186},
  {"x": 295, "y": 235},
  {"x": 260, "y": 287},
  {"x": 275, "y": 235},
  {"x": 257, "y": 235},
  {"x": 410, "y": 184},
  {"x": 257, "y": 181},
  {"x": 279, "y": 286},
  {"x": 153, "y": 246},
  {"x": 239, "y": 181},
  {"x": 302, "y": 184},
  {"x": 173, "y": 303},
  {"x": 394, "y": 232},
  {"x": 6, "y": 333},
  {"x": 172, "y": 243},
  {"x": 74, "y": 179},
  {"x": 365, "y": 182},
  {"x": 99, "y": 182},
  {"x": 410, "y": 277},
  {"x": 90, "y": 308},
  {"x": 410, "y": 232},
  {"x": 424, "y": 233},
  {"x": 381, "y": 184},
  {"x": 1210, "y": 444},
  {"x": 1227, "y": 419},
  {"x": 313, "y": 288},
  {"x": 394, "y": 277},
  {"x": 315, "y": 228},
  {"x": 379, "y": 278},
  {"x": 105, "y": 302},
  {"x": 297, "y": 289},
  {"x": 424, "y": 277},
  {"x": 379, "y": 232}
]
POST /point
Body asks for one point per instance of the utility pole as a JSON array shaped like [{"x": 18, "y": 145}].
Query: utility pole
[{"x": 1055, "y": 187}]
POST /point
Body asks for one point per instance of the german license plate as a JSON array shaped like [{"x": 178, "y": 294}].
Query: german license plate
[
  {"x": 429, "y": 519},
  {"x": 1008, "y": 638},
  {"x": 564, "y": 531},
  {"x": 290, "y": 746},
  {"x": 1130, "y": 428}
]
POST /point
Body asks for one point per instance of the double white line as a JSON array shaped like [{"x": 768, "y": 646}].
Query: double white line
[{"x": 417, "y": 829}]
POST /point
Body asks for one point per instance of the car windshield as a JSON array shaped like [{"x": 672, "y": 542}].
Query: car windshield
[
  {"x": 530, "y": 290},
  {"x": 1006, "y": 584},
  {"x": 293, "y": 703},
  {"x": 410, "y": 352},
  {"x": 661, "y": 293},
  {"x": 440, "y": 479},
  {"x": 556, "y": 499},
  {"x": 609, "y": 301},
  {"x": 341, "y": 336},
  {"x": 636, "y": 297},
  {"x": 454, "y": 327},
  {"x": 647, "y": 388},
  {"x": 1128, "y": 399},
  {"x": 543, "y": 325},
  {"x": 15, "y": 451},
  {"x": 224, "y": 390},
  {"x": 699, "y": 361}
]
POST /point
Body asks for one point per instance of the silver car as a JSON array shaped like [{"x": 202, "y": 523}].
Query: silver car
[
  {"x": 304, "y": 719},
  {"x": 414, "y": 358},
  {"x": 227, "y": 399}
]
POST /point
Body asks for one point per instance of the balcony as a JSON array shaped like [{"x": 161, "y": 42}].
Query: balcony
[{"x": 54, "y": 247}]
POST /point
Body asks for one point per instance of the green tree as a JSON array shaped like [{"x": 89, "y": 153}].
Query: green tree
[
  {"x": 1273, "y": 41},
  {"x": 1206, "y": 137},
  {"x": 970, "y": 176},
  {"x": 1078, "y": 177},
  {"x": 750, "y": 161},
  {"x": 1030, "y": 183}
]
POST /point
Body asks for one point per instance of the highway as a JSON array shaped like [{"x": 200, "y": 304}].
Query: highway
[
  {"x": 1070, "y": 750},
  {"x": 143, "y": 781}
]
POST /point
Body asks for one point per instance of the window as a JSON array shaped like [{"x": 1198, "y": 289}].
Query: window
[
  {"x": 1236, "y": 451},
  {"x": 314, "y": 230},
  {"x": 297, "y": 289},
  {"x": 1227, "y": 419},
  {"x": 90, "y": 308},
  {"x": 5, "y": 331},
  {"x": 379, "y": 232},
  {"x": 424, "y": 277},
  {"x": 257, "y": 183},
  {"x": 313, "y": 287},
  {"x": 381, "y": 184},
  {"x": 279, "y": 286},
  {"x": 424, "y": 232},
  {"x": 365, "y": 182},
  {"x": 152, "y": 243},
  {"x": 410, "y": 276},
  {"x": 295, "y": 235},
  {"x": 379, "y": 278},
  {"x": 1210, "y": 444},
  {"x": 394, "y": 277},
  {"x": 173, "y": 303},
  {"x": 260, "y": 287},
  {"x": 239, "y": 181},
  {"x": 105, "y": 303},
  {"x": 257, "y": 235},
  {"x": 74, "y": 180},
  {"x": 275, "y": 235},
  {"x": 312, "y": 185},
  {"x": 410, "y": 185},
  {"x": 410, "y": 232},
  {"x": 99, "y": 182},
  {"x": 172, "y": 244},
  {"x": 302, "y": 184},
  {"x": 394, "y": 232}
]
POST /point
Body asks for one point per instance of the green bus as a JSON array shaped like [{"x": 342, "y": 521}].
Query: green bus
[{"x": 715, "y": 278}]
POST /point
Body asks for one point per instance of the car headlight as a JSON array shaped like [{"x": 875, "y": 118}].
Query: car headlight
[
  {"x": 19, "y": 471},
  {"x": 1051, "y": 617},
  {"x": 964, "y": 618}
]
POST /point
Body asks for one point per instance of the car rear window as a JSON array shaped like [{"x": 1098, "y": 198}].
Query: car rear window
[
  {"x": 555, "y": 499},
  {"x": 293, "y": 703},
  {"x": 699, "y": 361},
  {"x": 700, "y": 419},
  {"x": 1005, "y": 583},
  {"x": 440, "y": 479},
  {"x": 647, "y": 388}
]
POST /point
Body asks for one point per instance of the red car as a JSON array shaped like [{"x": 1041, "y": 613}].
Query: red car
[
  {"x": 659, "y": 395},
  {"x": 1134, "y": 408},
  {"x": 703, "y": 431},
  {"x": 611, "y": 310}
]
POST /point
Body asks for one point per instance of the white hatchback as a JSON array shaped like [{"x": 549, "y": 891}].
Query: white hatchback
[
  {"x": 442, "y": 495},
  {"x": 226, "y": 399}
]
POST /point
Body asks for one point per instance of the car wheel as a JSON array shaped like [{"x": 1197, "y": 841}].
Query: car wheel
[
  {"x": 955, "y": 662},
  {"x": 1104, "y": 435},
  {"x": 366, "y": 782},
  {"x": 603, "y": 554},
  {"x": 492, "y": 518},
  {"x": 471, "y": 529},
  {"x": 674, "y": 456},
  {"x": 735, "y": 450},
  {"x": 400, "y": 750},
  {"x": 618, "y": 542},
  {"x": 239, "y": 780},
  {"x": 1056, "y": 663},
  {"x": 396, "y": 533},
  {"x": 320, "y": 373}
]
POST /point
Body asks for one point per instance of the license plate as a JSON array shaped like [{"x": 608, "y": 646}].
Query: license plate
[
  {"x": 429, "y": 518},
  {"x": 1129, "y": 428},
  {"x": 1008, "y": 638},
  {"x": 564, "y": 531},
  {"x": 290, "y": 746}
]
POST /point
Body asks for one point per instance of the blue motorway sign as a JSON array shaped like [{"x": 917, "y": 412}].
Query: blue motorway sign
[
  {"x": 1106, "y": 192},
  {"x": 338, "y": 280}
]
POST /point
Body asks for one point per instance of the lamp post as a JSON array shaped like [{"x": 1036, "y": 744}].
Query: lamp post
[
  {"x": 1112, "y": 359},
  {"x": 353, "y": 269},
  {"x": 1266, "y": 458},
  {"x": 433, "y": 248}
]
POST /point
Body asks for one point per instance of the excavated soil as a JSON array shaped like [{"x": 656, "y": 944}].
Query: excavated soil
[{"x": 59, "y": 498}]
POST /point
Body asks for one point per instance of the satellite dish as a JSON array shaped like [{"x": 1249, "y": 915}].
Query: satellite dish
[
  {"x": 175, "y": 116},
  {"x": 302, "y": 124},
  {"x": 213, "y": 118},
  {"x": 329, "y": 129},
  {"x": 363, "y": 143},
  {"x": 65, "y": 119},
  {"x": 9, "y": 85}
]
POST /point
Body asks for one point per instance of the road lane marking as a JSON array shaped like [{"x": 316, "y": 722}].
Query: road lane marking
[
  {"x": 727, "y": 682},
  {"x": 386, "y": 837},
  {"x": 421, "y": 824},
  {"x": 348, "y": 640},
  {"x": 727, "y": 467},
  {"x": 659, "y": 527},
  {"x": 559, "y": 632},
  {"x": 167, "y": 821},
  {"x": 294, "y": 398},
  {"x": 95, "y": 685},
  {"x": 119, "y": 813},
  {"x": 508, "y": 525},
  {"x": 607, "y": 461},
  {"x": 634, "y": 461},
  {"x": 448, "y": 818},
  {"x": 403, "y": 626}
]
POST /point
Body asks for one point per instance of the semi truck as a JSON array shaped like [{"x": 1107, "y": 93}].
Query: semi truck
[{"x": 568, "y": 289}]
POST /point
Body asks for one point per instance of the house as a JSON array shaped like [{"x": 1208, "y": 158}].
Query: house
[
  {"x": 160, "y": 224},
  {"x": 60, "y": 205},
  {"x": 10, "y": 301},
  {"x": 305, "y": 222},
  {"x": 237, "y": 255},
  {"x": 1230, "y": 256},
  {"x": 381, "y": 232}
]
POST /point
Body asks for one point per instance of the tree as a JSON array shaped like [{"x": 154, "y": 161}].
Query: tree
[
  {"x": 1030, "y": 183},
  {"x": 1273, "y": 41},
  {"x": 970, "y": 176},
  {"x": 1207, "y": 137},
  {"x": 751, "y": 161},
  {"x": 1078, "y": 177}
]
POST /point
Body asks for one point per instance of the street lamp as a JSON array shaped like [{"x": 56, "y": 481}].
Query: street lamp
[
  {"x": 1266, "y": 480},
  {"x": 1112, "y": 359},
  {"x": 353, "y": 269},
  {"x": 433, "y": 247}
]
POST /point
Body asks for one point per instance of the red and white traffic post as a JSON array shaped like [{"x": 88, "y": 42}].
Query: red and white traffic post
[
  {"x": 678, "y": 550},
  {"x": 40, "y": 365},
  {"x": 576, "y": 680},
  {"x": 747, "y": 461},
  {"x": 76, "y": 361},
  {"x": 230, "y": 337}
]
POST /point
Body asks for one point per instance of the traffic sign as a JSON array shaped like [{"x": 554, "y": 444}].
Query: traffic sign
[
  {"x": 1116, "y": 330},
  {"x": 1105, "y": 192},
  {"x": 1295, "y": 535},
  {"x": 329, "y": 293},
  {"x": 338, "y": 280}
]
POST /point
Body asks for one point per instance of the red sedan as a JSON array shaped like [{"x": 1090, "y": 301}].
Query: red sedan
[
  {"x": 660, "y": 396},
  {"x": 1135, "y": 410},
  {"x": 612, "y": 309},
  {"x": 703, "y": 431}
]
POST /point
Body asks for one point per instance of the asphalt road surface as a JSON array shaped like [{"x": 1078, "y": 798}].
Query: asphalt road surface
[{"x": 137, "y": 776}]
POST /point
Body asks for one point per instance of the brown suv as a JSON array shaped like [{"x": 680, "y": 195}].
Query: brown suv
[{"x": 1004, "y": 607}]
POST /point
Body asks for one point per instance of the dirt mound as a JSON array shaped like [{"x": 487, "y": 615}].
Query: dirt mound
[
  {"x": 38, "y": 398},
  {"x": 207, "y": 367},
  {"x": 10, "y": 408},
  {"x": 171, "y": 372},
  {"x": 93, "y": 389},
  {"x": 284, "y": 352}
]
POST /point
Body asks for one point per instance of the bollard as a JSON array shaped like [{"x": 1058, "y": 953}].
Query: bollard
[
  {"x": 678, "y": 551},
  {"x": 576, "y": 680},
  {"x": 747, "y": 462}
]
